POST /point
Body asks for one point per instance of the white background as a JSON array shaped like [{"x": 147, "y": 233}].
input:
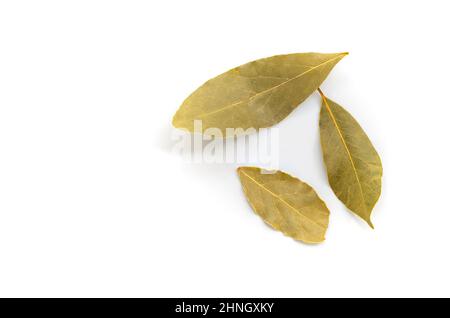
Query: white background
[{"x": 93, "y": 202}]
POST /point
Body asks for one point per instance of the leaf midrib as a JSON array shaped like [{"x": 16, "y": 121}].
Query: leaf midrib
[
  {"x": 279, "y": 198},
  {"x": 272, "y": 88},
  {"x": 347, "y": 151}
]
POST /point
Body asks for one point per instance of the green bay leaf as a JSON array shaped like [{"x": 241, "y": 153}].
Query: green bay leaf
[
  {"x": 286, "y": 203},
  {"x": 257, "y": 94},
  {"x": 353, "y": 166}
]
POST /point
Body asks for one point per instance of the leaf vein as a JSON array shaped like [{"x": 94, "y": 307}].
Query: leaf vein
[{"x": 280, "y": 199}]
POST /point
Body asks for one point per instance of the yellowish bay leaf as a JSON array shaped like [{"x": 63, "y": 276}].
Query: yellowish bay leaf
[
  {"x": 353, "y": 165},
  {"x": 286, "y": 203},
  {"x": 257, "y": 94}
]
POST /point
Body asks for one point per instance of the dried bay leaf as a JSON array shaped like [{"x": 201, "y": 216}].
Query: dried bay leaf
[
  {"x": 257, "y": 94},
  {"x": 286, "y": 203},
  {"x": 353, "y": 165}
]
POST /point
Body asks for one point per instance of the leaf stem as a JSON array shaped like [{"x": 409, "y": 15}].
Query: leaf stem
[{"x": 321, "y": 93}]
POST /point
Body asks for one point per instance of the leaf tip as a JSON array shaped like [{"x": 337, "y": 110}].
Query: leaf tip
[{"x": 312, "y": 241}]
